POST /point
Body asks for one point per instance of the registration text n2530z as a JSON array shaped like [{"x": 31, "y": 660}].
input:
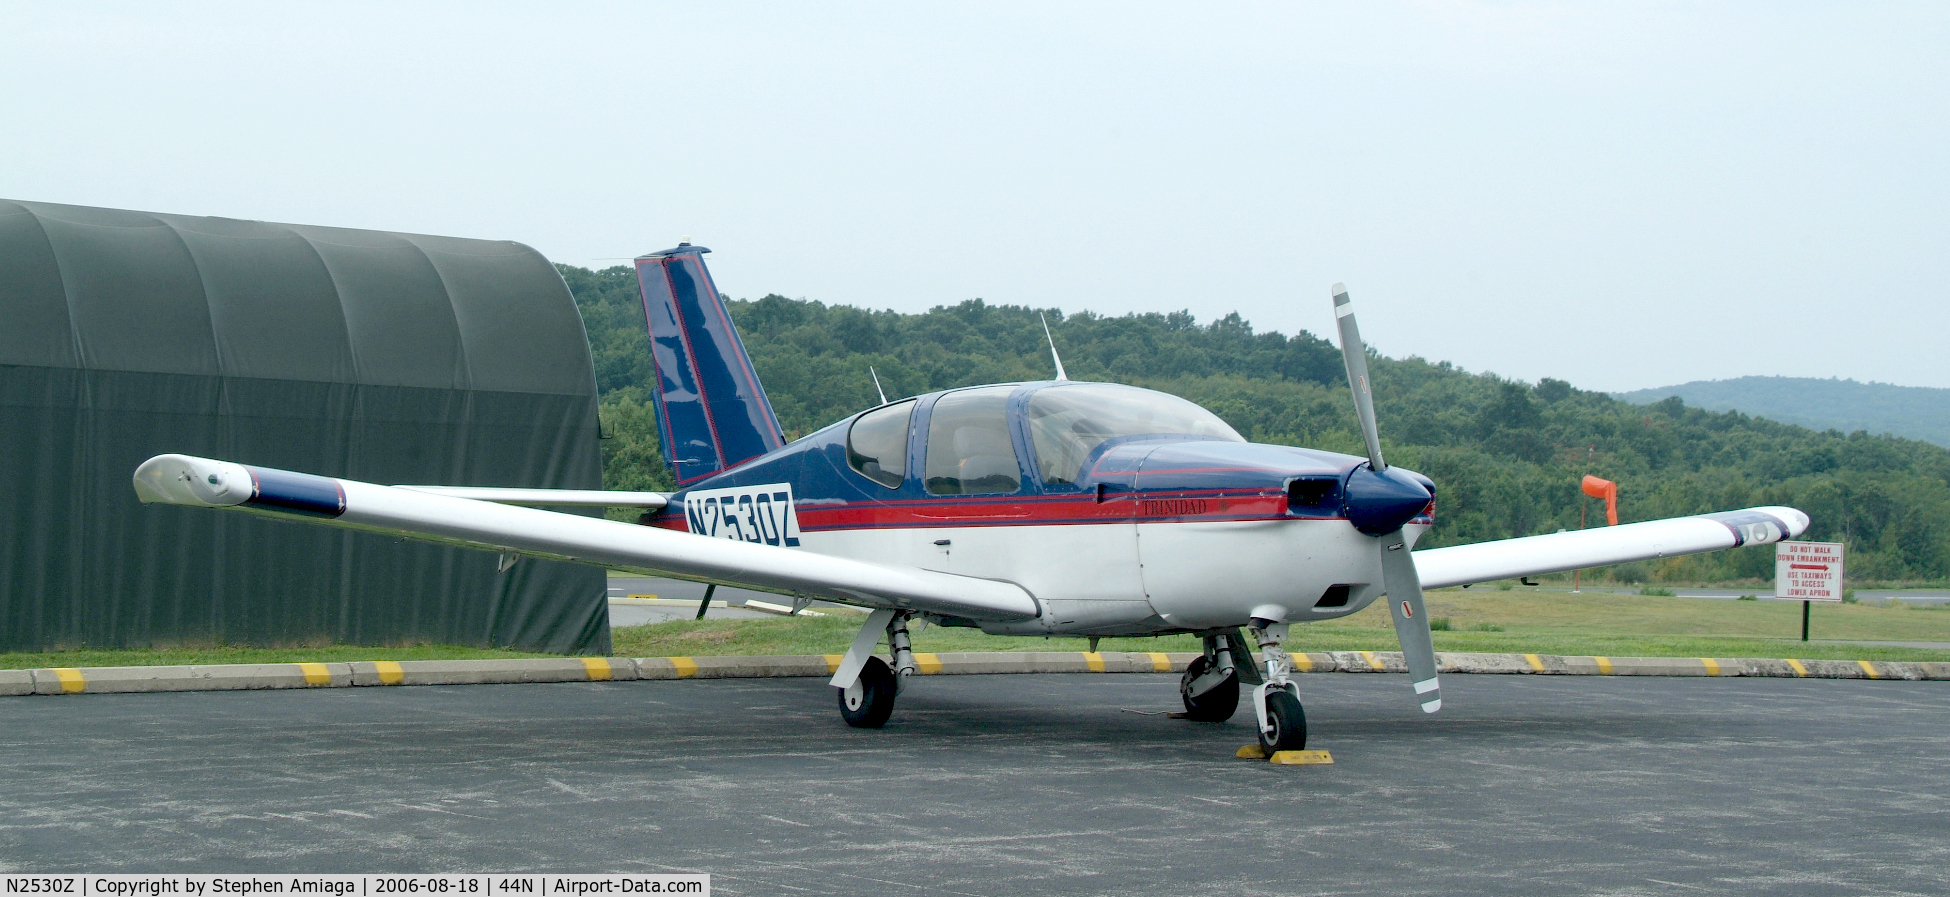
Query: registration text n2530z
[{"x": 762, "y": 514}]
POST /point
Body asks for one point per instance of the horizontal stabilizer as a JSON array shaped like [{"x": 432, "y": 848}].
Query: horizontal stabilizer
[
  {"x": 1556, "y": 552},
  {"x": 205, "y": 483},
  {"x": 558, "y": 498}
]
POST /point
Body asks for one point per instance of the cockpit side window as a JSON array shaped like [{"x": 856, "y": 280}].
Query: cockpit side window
[
  {"x": 969, "y": 449},
  {"x": 1068, "y": 423},
  {"x": 876, "y": 444}
]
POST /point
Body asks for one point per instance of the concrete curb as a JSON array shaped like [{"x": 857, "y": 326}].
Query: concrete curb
[{"x": 125, "y": 680}]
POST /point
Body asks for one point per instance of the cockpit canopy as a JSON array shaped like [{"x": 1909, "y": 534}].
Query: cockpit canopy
[
  {"x": 1068, "y": 423},
  {"x": 970, "y": 449}
]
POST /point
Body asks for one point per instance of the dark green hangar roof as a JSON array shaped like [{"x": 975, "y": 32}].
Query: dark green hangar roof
[
  {"x": 382, "y": 357},
  {"x": 108, "y": 289}
]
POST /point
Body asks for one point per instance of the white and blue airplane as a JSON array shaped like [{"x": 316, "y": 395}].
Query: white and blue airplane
[{"x": 1056, "y": 507}]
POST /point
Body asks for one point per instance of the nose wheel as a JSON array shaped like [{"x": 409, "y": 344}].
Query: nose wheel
[{"x": 1286, "y": 724}]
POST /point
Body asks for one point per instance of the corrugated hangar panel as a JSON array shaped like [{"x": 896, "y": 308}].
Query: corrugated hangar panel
[{"x": 391, "y": 358}]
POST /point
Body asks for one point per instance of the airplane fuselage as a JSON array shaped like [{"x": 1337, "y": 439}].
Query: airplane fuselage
[{"x": 1133, "y": 535}]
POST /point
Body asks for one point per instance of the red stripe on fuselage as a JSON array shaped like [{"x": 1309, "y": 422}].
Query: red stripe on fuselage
[
  {"x": 1189, "y": 506},
  {"x": 1184, "y": 506}
]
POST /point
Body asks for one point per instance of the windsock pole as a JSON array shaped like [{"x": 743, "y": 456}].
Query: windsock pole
[{"x": 1596, "y": 488}]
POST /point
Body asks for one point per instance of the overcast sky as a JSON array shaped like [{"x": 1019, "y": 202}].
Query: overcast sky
[{"x": 1622, "y": 195}]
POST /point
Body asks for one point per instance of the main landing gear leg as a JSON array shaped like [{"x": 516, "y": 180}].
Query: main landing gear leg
[
  {"x": 866, "y": 685},
  {"x": 1210, "y": 686},
  {"x": 1282, "y": 724}
]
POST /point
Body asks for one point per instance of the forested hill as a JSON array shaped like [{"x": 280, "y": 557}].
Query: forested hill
[
  {"x": 1506, "y": 456},
  {"x": 1917, "y": 412}
]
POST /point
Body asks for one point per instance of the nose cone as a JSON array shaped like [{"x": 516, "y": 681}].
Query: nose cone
[{"x": 1378, "y": 503}]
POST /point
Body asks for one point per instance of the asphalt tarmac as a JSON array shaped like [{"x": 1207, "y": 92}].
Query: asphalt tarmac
[{"x": 1025, "y": 784}]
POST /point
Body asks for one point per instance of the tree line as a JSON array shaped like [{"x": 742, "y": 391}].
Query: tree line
[{"x": 1506, "y": 456}]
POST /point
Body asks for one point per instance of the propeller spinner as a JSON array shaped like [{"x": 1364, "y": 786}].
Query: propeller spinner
[{"x": 1379, "y": 503}]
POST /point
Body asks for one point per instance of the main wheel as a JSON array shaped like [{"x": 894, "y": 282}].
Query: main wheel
[
  {"x": 1288, "y": 721},
  {"x": 870, "y": 701},
  {"x": 1215, "y": 706}
]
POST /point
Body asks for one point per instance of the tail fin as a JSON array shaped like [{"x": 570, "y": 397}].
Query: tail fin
[{"x": 712, "y": 413}]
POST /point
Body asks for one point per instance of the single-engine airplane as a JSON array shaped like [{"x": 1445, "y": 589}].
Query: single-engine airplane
[{"x": 1056, "y": 507}]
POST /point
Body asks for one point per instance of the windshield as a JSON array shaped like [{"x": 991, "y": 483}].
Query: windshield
[{"x": 1067, "y": 423}]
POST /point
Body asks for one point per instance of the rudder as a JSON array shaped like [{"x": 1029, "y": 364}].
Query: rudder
[{"x": 712, "y": 413}]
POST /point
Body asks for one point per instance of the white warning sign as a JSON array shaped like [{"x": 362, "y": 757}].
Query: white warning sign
[{"x": 1808, "y": 571}]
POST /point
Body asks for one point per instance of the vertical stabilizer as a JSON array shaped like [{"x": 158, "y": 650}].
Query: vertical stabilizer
[{"x": 712, "y": 413}]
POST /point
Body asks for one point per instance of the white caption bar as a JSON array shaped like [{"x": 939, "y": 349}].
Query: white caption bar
[{"x": 483, "y": 885}]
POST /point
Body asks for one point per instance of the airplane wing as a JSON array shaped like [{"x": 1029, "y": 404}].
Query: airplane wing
[
  {"x": 561, "y": 498},
  {"x": 1556, "y": 552},
  {"x": 436, "y": 517}
]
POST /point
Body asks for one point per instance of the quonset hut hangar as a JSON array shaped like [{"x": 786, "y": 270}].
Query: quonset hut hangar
[{"x": 383, "y": 357}]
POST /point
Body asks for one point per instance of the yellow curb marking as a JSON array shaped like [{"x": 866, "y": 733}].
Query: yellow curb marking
[
  {"x": 833, "y": 662},
  {"x": 1867, "y": 667},
  {"x": 1536, "y": 663},
  {"x": 1302, "y": 663},
  {"x": 1712, "y": 666},
  {"x": 1604, "y": 665},
  {"x": 72, "y": 682},
  {"x": 598, "y": 667},
  {"x": 929, "y": 663},
  {"x": 686, "y": 667},
  {"x": 1094, "y": 660},
  {"x": 389, "y": 672},
  {"x": 316, "y": 673},
  {"x": 1373, "y": 661},
  {"x": 1251, "y": 752},
  {"x": 1799, "y": 670},
  {"x": 1301, "y": 758},
  {"x": 1160, "y": 661}
]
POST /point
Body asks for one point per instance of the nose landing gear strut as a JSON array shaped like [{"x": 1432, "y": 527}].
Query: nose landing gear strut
[{"x": 1282, "y": 723}]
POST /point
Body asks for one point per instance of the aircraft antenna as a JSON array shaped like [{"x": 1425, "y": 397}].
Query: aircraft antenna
[
  {"x": 876, "y": 384},
  {"x": 1052, "y": 348}
]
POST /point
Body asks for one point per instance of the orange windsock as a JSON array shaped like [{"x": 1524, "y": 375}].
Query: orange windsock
[{"x": 1607, "y": 490}]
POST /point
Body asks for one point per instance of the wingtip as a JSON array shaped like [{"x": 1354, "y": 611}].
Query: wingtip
[{"x": 189, "y": 480}]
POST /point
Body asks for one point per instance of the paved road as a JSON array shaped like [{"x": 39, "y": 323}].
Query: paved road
[
  {"x": 726, "y": 603},
  {"x": 1007, "y": 785},
  {"x": 622, "y": 613}
]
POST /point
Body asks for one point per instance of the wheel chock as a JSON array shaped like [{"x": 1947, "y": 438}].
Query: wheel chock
[
  {"x": 1285, "y": 758},
  {"x": 1300, "y": 758}
]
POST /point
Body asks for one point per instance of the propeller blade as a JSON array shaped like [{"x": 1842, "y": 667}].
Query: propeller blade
[
  {"x": 1355, "y": 354},
  {"x": 1384, "y": 497},
  {"x": 1411, "y": 620}
]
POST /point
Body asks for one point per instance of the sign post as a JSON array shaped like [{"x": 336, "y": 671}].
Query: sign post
[{"x": 1807, "y": 572}]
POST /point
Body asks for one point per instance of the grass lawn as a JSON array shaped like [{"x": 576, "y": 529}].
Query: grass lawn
[
  {"x": 1483, "y": 620},
  {"x": 1493, "y": 621}
]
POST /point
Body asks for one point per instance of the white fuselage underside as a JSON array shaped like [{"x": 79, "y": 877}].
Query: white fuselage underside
[{"x": 1142, "y": 578}]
